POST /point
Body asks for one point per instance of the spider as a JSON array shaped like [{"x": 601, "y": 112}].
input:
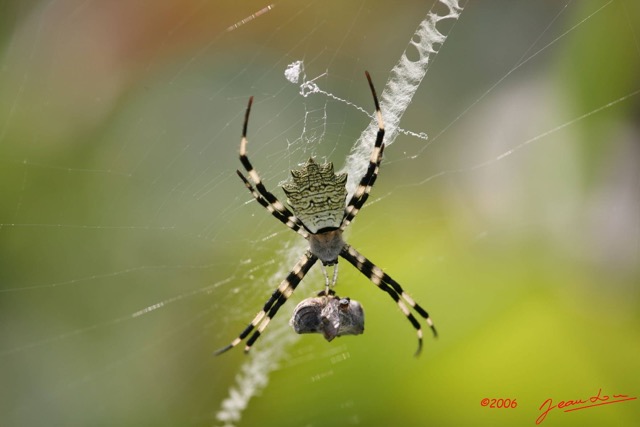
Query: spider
[{"x": 318, "y": 213}]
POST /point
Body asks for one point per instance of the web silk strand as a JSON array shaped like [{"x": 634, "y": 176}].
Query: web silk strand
[{"x": 403, "y": 82}]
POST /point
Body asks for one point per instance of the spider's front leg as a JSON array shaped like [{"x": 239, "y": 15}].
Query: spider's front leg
[
  {"x": 383, "y": 281},
  {"x": 279, "y": 297}
]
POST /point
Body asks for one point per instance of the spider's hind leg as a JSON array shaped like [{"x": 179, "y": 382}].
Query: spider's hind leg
[
  {"x": 260, "y": 192},
  {"x": 361, "y": 193}
]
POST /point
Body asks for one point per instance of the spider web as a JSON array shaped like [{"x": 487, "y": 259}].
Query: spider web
[{"x": 507, "y": 205}]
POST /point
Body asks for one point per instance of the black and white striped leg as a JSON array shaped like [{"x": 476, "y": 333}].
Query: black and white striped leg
[
  {"x": 290, "y": 221},
  {"x": 364, "y": 187},
  {"x": 390, "y": 286},
  {"x": 278, "y": 298},
  {"x": 260, "y": 192}
]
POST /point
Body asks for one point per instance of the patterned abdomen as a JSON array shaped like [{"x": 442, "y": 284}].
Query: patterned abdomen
[{"x": 317, "y": 195}]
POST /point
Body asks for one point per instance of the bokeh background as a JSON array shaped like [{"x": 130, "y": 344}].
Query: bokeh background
[{"x": 130, "y": 251}]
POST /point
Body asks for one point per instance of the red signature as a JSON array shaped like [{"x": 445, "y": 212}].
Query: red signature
[{"x": 574, "y": 405}]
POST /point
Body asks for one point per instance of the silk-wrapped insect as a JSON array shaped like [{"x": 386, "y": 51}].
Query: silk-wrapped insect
[{"x": 328, "y": 315}]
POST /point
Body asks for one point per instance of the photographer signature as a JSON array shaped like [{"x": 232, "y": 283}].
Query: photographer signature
[{"x": 573, "y": 405}]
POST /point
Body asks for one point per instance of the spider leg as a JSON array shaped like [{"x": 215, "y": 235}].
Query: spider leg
[
  {"x": 329, "y": 284},
  {"x": 271, "y": 307},
  {"x": 364, "y": 187},
  {"x": 390, "y": 286},
  {"x": 262, "y": 195},
  {"x": 290, "y": 221}
]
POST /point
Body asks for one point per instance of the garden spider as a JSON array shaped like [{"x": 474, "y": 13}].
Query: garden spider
[{"x": 317, "y": 198}]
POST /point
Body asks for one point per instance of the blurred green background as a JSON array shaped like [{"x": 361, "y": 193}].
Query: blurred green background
[{"x": 130, "y": 251}]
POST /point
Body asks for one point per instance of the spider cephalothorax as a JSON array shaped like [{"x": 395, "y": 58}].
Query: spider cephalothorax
[{"x": 317, "y": 197}]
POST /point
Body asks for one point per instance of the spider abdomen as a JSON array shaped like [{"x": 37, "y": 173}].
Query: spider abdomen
[{"x": 317, "y": 195}]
